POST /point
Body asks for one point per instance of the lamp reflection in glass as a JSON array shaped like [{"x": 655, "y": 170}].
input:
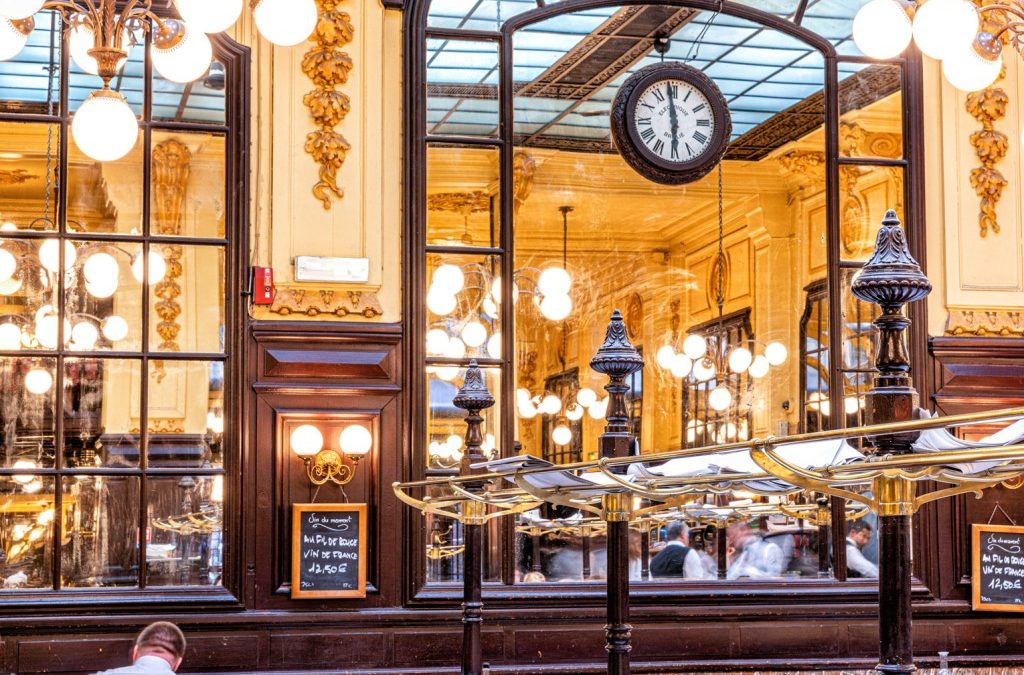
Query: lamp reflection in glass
[{"x": 326, "y": 464}]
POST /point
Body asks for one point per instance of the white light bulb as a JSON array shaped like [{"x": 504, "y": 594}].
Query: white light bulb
[
  {"x": 586, "y": 397},
  {"x": 306, "y": 440},
  {"x": 968, "y": 71},
  {"x": 575, "y": 412},
  {"x": 550, "y": 405},
  {"x": 447, "y": 373},
  {"x": 851, "y": 405},
  {"x": 38, "y": 381},
  {"x": 49, "y": 255},
  {"x": 554, "y": 281},
  {"x": 522, "y": 396},
  {"x": 8, "y": 226},
  {"x": 114, "y": 328},
  {"x": 561, "y": 435},
  {"x": 10, "y": 337},
  {"x": 105, "y": 127},
  {"x": 453, "y": 442},
  {"x": 437, "y": 340},
  {"x": 101, "y": 269},
  {"x": 943, "y": 27},
  {"x": 83, "y": 39},
  {"x": 84, "y": 335},
  {"x": 556, "y": 307},
  {"x": 474, "y": 334},
  {"x": 494, "y": 346},
  {"x": 8, "y": 264},
  {"x": 215, "y": 422},
  {"x": 210, "y": 16},
  {"x": 20, "y": 9},
  {"x": 12, "y": 285},
  {"x": 759, "y": 367},
  {"x": 46, "y": 331},
  {"x": 599, "y": 409},
  {"x": 286, "y": 22},
  {"x": 720, "y": 398},
  {"x": 740, "y": 359},
  {"x": 455, "y": 349},
  {"x": 496, "y": 290},
  {"x": 527, "y": 410},
  {"x": 665, "y": 356},
  {"x": 695, "y": 347},
  {"x": 12, "y": 39},
  {"x": 157, "y": 267},
  {"x": 703, "y": 371},
  {"x": 217, "y": 490},
  {"x": 776, "y": 353},
  {"x": 882, "y": 29},
  {"x": 440, "y": 302},
  {"x": 681, "y": 366},
  {"x": 490, "y": 308},
  {"x": 448, "y": 278},
  {"x": 186, "y": 59},
  {"x": 27, "y": 465},
  {"x": 356, "y": 440}
]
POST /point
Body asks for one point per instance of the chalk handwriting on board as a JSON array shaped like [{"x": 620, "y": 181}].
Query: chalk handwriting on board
[
  {"x": 1007, "y": 545},
  {"x": 316, "y": 521}
]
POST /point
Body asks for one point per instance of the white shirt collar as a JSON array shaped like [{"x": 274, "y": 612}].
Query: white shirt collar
[{"x": 156, "y": 663}]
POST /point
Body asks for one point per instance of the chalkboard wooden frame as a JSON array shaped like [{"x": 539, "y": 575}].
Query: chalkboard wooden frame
[
  {"x": 297, "y": 511},
  {"x": 977, "y": 530}
]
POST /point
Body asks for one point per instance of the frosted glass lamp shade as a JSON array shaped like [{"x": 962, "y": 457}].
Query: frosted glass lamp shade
[
  {"x": 186, "y": 58},
  {"x": 306, "y": 440},
  {"x": 968, "y": 71},
  {"x": 84, "y": 335},
  {"x": 8, "y": 264},
  {"x": 437, "y": 340},
  {"x": 19, "y": 9},
  {"x": 474, "y": 334},
  {"x": 720, "y": 398},
  {"x": 101, "y": 268},
  {"x": 210, "y": 16},
  {"x": 12, "y": 39},
  {"x": 776, "y": 353},
  {"x": 105, "y": 127},
  {"x": 882, "y": 29},
  {"x": 49, "y": 255},
  {"x": 695, "y": 347},
  {"x": 286, "y": 22},
  {"x": 759, "y": 368},
  {"x": 157, "y": 268},
  {"x": 554, "y": 281},
  {"x": 740, "y": 359},
  {"x": 586, "y": 397},
  {"x": 355, "y": 440},
  {"x": 562, "y": 435},
  {"x": 38, "y": 381},
  {"x": 556, "y": 307},
  {"x": 665, "y": 356},
  {"x": 114, "y": 328},
  {"x": 448, "y": 278},
  {"x": 945, "y": 27}
]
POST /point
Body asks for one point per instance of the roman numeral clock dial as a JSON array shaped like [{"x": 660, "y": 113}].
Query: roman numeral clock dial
[{"x": 670, "y": 123}]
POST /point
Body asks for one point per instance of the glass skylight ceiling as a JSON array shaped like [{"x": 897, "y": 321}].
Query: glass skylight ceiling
[{"x": 760, "y": 71}]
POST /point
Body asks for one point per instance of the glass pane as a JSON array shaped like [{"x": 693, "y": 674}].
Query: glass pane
[
  {"x": 186, "y": 298},
  {"x": 462, "y": 196},
  {"x": 463, "y": 299},
  {"x": 446, "y": 424},
  {"x": 27, "y": 412},
  {"x": 185, "y": 545},
  {"x": 100, "y": 427},
  {"x": 29, "y": 152},
  {"x": 198, "y": 101},
  {"x": 105, "y": 196},
  {"x": 866, "y": 193},
  {"x": 187, "y": 198},
  {"x": 129, "y": 82},
  {"x": 815, "y": 408},
  {"x": 100, "y": 547},
  {"x": 25, "y": 77},
  {"x": 103, "y": 298},
  {"x": 462, "y": 87},
  {"x": 475, "y": 14},
  {"x": 26, "y": 531},
  {"x": 186, "y": 413},
  {"x": 28, "y": 307},
  {"x": 871, "y": 106}
]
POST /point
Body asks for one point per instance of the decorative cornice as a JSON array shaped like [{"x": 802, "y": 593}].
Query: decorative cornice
[
  {"x": 328, "y": 66},
  {"x": 15, "y": 176},
  {"x": 324, "y": 302},
  {"x": 985, "y": 322}
]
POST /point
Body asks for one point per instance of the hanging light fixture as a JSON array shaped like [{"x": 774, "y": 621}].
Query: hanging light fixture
[{"x": 967, "y": 39}]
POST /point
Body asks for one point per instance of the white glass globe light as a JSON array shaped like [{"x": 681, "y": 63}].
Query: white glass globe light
[
  {"x": 286, "y": 22},
  {"x": 695, "y": 347},
  {"x": 84, "y": 335},
  {"x": 522, "y": 395},
  {"x": 561, "y": 435},
  {"x": 83, "y": 39},
  {"x": 8, "y": 264},
  {"x": 27, "y": 465},
  {"x": 448, "y": 278},
  {"x": 720, "y": 398},
  {"x": 703, "y": 371},
  {"x": 575, "y": 412},
  {"x": 490, "y": 307},
  {"x": 550, "y": 405},
  {"x": 114, "y": 328},
  {"x": 210, "y": 16},
  {"x": 440, "y": 302},
  {"x": 447, "y": 373},
  {"x": 494, "y": 346},
  {"x": 103, "y": 289},
  {"x": 49, "y": 255},
  {"x": 586, "y": 397},
  {"x": 776, "y": 353},
  {"x": 599, "y": 409},
  {"x": 186, "y": 59},
  {"x": 157, "y": 267},
  {"x": 46, "y": 331},
  {"x": 101, "y": 268},
  {"x": 306, "y": 440},
  {"x": 455, "y": 349},
  {"x": 105, "y": 127},
  {"x": 554, "y": 281},
  {"x": 12, "y": 285},
  {"x": 10, "y": 337},
  {"x": 968, "y": 71},
  {"x": 556, "y": 307},
  {"x": 453, "y": 442},
  {"x": 38, "y": 381},
  {"x": 474, "y": 334},
  {"x": 943, "y": 27},
  {"x": 740, "y": 359},
  {"x": 882, "y": 29},
  {"x": 437, "y": 340},
  {"x": 496, "y": 289},
  {"x": 850, "y": 405},
  {"x": 681, "y": 366},
  {"x": 665, "y": 356},
  {"x": 12, "y": 40},
  {"x": 527, "y": 410},
  {"x": 8, "y": 226},
  {"x": 20, "y": 9},
  {"x": 355, "y": 440},
  {"x": 759, "y": 368}
]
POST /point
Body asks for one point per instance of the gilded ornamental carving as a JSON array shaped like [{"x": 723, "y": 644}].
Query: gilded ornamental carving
[
  {"x": 315, "y": 302},
  {"x": 990, "y": 145},
  {"x": 985, "y": 322},
  {"x": 172, "y": 162}
]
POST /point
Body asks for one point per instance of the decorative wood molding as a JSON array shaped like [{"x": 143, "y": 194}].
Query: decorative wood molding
[
  {"x": 328, "y": 67},
  {"x": 985, "y": 322},
  {"x": 463, "y": 203},
  {"x": 314, "y": 302},
  {"x": 15, "y": 176},
  {"x": 172, "y": 162}
]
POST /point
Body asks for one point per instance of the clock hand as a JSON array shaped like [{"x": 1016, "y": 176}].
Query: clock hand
[{"x": 673, "y": 117}]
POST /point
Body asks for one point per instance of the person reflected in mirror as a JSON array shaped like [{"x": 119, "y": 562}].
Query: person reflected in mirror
[
  {"x": 857, "y": 565},
  {"x": 677, "y": 559},
  {"x": 158, "y": 650},
  {"x": 752, "y": 557}
]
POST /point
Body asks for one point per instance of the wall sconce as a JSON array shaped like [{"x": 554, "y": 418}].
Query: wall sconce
[{"x": 324, "y": 464}]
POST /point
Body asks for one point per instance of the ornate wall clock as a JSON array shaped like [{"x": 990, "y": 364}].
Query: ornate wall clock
[{"x": 671, "y": 123}]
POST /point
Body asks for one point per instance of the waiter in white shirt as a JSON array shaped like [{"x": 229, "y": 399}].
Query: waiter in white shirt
[
  {"x": 677, "y": 559},
  {"x": 857, "y": 537}
]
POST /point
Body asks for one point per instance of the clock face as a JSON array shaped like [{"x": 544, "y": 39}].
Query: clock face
[
  {"x": 670, "y": 123},
  {"x": 674, "y": 121}
]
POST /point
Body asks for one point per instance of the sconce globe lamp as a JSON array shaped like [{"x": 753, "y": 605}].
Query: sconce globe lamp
[{"x": 328, "y": 465}]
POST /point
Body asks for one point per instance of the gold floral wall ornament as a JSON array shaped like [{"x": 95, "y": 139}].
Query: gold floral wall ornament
[
  {"x": 325, "y": 301},
  {"x": 985, "y": 322},
  {"x": 328, "y": 66},
  {"x": 172, "y": 161},
  {"x": 524, "y": 166},
  {"x": 990, "y": 145}
]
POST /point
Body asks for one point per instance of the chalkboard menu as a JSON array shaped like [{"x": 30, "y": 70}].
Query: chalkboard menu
[
  {"x": 328, "y": 550},
  {"x": 998, "y": 554}
]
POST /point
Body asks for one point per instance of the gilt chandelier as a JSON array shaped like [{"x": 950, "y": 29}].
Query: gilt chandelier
[{"x": 105, "y": 127}]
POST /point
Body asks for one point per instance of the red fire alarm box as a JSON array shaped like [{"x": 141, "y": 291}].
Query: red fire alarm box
[{"x": 262, "y": 285}]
